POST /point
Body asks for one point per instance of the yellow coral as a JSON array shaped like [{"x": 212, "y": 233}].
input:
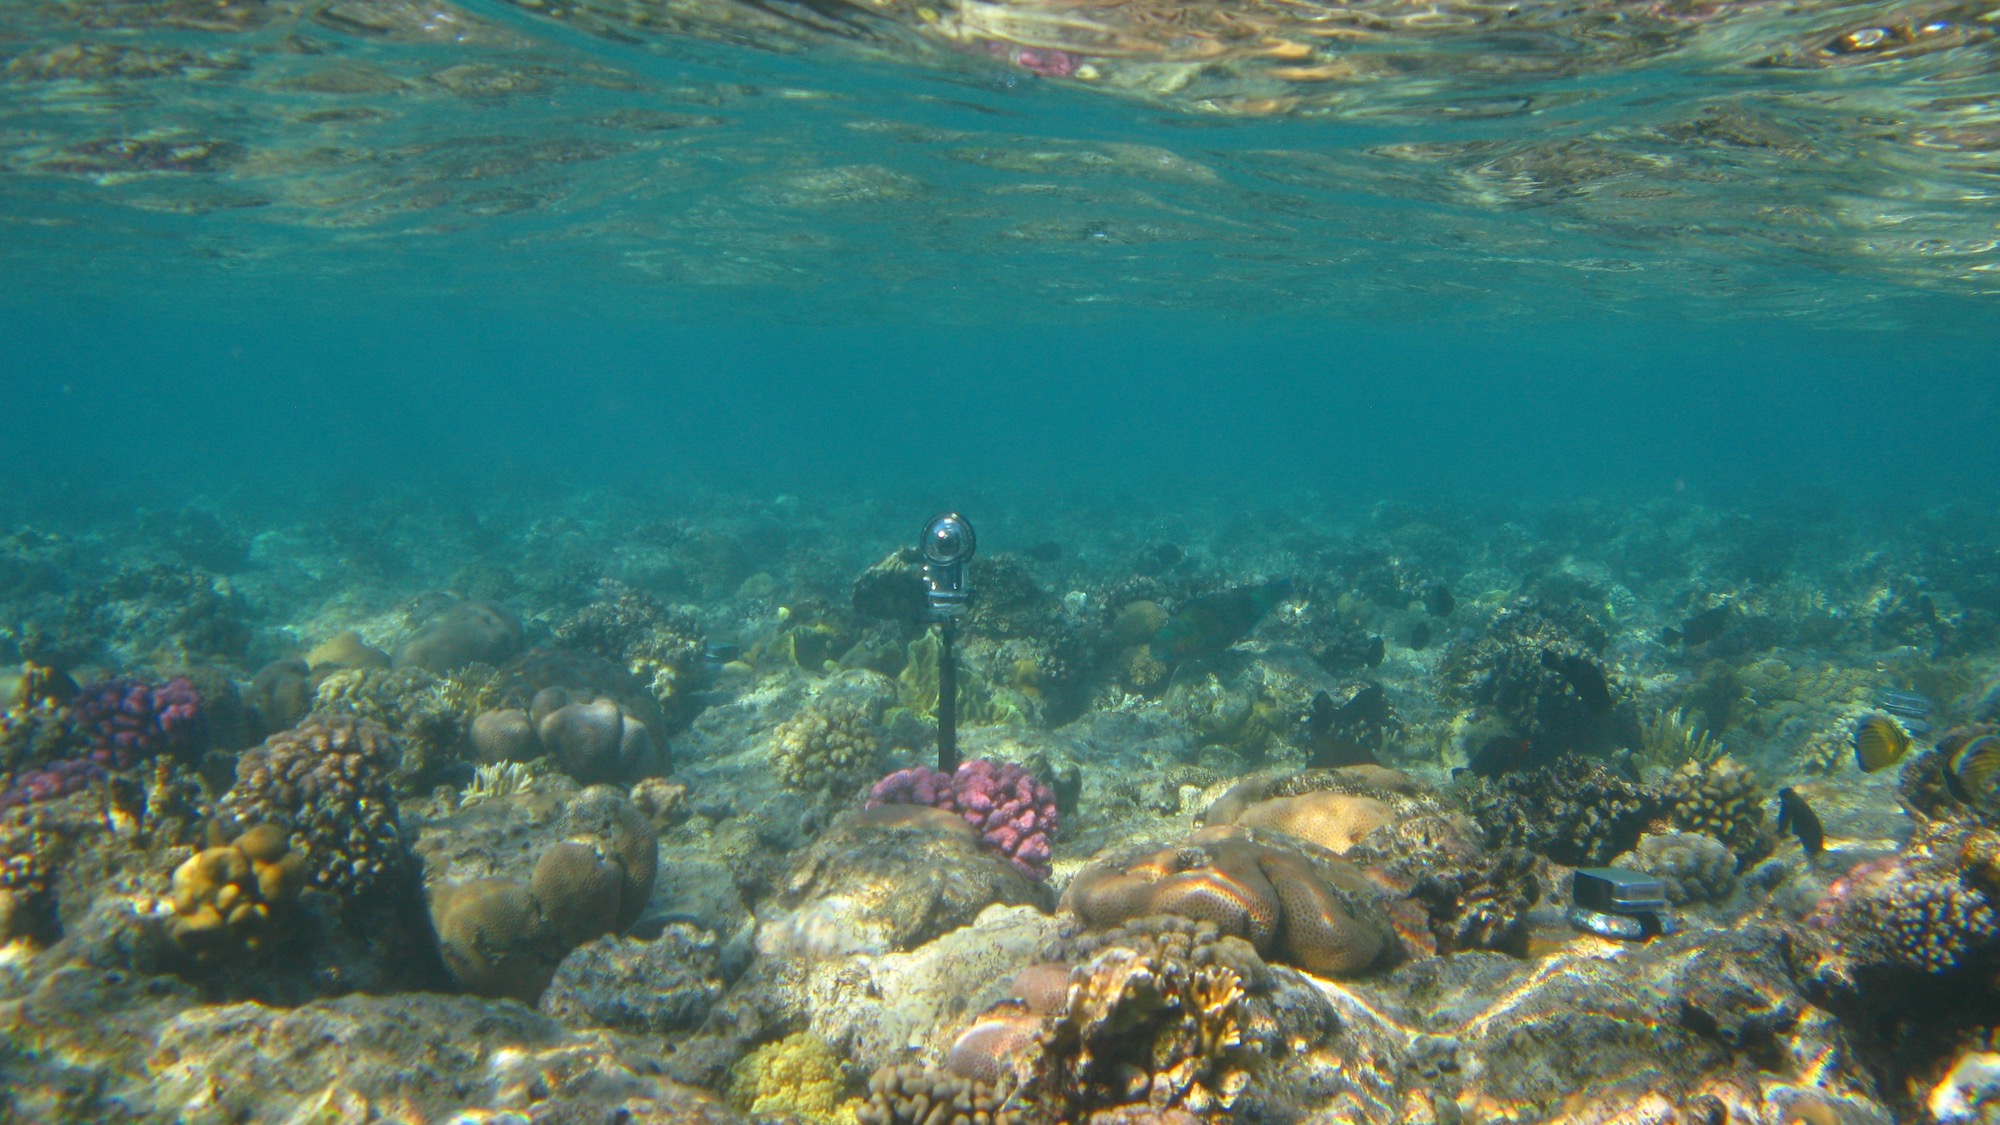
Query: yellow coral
[
  {"x": 232, "y": 893},
  {"x": 796, "y": 1077}
]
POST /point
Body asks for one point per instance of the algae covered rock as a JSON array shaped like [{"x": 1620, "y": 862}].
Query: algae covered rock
[
  {"x": 655, "y": 985},
  {"x": 468, "y": 632},
  {"x": 889, "y": 878}
]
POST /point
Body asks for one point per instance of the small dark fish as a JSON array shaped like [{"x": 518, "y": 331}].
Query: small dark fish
[
  {"x": 1438, "y": 599},
  {"x": 1974, "y": 771},
  {"x": 1879, "y": 742},
  {"x": 1211, "y": 623},
  {"x": 1501, "y": 754},
  {"x": 1705, "y": 626},
  {"x": 1420, "y": 637},
  {"x": 1799, "y": 818},
  {"x": 1161, "y": 559},
  {"x": 1583, "y": 676},
  {"x": 1374, "y": 653},
  {"x": 1047, "y": 551},
  {"x": 1335, "y": 733}
]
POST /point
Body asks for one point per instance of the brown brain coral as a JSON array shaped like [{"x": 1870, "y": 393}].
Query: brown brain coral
[
  {"x": 1284, "y": 901},
  {"x": 327, "y": 781}
]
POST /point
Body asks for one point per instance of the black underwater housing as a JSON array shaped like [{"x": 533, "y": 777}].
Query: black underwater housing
[
  {"x": 1616, "y": 903},
  {"x": 947, "y": 544}
]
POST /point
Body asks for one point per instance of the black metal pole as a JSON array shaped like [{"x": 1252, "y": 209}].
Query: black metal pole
[{"x": 947, "y": 707}]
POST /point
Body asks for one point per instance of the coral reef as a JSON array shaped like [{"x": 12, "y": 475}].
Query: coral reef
[
  {"x": 1481, "y": 902},
  {"x": 1537, "y": 673},
  {"x": 1297, "y": 908},
  {"x": 1574, "y": 811},
  {"x": 593, "y": 739},
  {"x": 889, "y": 878},
  {"x": 1012, "y": 812},
  {"x": 796, "y": 1078},
  {"x": 911, "y": 1094},
  {"x": 126, "y": 721},
  {"x": 467, "y": 632},
  {"x": 655, "y": 985},
  {"x": 660, "y": 647},
  {"x": 505, "y": 937}
]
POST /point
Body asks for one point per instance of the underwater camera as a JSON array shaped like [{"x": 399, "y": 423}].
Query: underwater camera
[
  {"x": 1615, "y": 903},
  {"x": 947, "y": 544}
]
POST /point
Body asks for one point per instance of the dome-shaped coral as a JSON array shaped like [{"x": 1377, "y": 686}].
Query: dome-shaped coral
[{"x": 1287, "y": 903}]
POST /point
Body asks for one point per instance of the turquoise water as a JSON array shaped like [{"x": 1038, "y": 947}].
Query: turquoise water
[{"x": 1529, "y": 247}]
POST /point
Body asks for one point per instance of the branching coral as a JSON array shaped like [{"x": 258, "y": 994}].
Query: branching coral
[
  {"x": 327, "y": 781},
  {"x": 1670, "y": 740},
  {"x": 1720, "y": 799},
  {"x": 1574, "y": 811},
  {"x": 1145, "y": 1029},
  {"x": 910, "y": 1094},
  {"x": 1482, "y": 903},
  {"x": 826, "y": 749}
]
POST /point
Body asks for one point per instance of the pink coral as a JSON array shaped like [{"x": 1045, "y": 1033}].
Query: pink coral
[{"x": 1013, "y": 812}]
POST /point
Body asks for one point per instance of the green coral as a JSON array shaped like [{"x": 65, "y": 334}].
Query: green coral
[
  {"x": 797, "y": 1078},
  {"x": 978, "y": 703}
]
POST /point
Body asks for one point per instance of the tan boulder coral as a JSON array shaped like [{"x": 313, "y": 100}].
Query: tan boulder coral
[
  {"x": 591, "y": 737},
  {"x": 1303, "y": 909},
  {"x": 468, "y": 632}
]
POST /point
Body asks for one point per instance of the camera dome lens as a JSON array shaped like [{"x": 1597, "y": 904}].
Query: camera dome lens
[{"x": 948, "y": 539}]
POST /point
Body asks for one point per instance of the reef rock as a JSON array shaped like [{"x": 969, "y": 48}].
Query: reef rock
[
  {"x": 888, "y": 879},
  {"x": 658, "y": 985}
]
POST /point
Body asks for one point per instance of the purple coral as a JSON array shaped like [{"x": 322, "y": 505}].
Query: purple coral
[
  {"x": 127, "y": 720},
  {"x": 121, "y": 722},
  {"x": 58, "y": 779},
  {"x": 1013, "y": 812}
]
